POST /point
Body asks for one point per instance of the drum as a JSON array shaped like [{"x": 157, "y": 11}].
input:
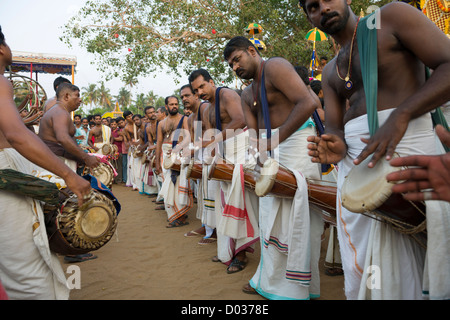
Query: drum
[
  {"x": 366, "y": 190},
  {"x": 73, "y": 230},
  {"x": 107, "y": 149},
  {"x": 194, "y": 170},
  {"x": 223, "y": 171},
  {"x": 171, "y": 162},
  {"x": 104, "y": 173},
  {"x": 275, "y": 180}
]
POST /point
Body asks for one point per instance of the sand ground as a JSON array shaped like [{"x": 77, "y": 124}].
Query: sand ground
[{"x": 147, "y": 261}]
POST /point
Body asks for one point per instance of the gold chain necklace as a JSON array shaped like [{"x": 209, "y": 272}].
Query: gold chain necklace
[{"x": 348, "y": 82}]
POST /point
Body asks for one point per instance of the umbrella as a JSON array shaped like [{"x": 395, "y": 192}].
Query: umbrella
[
  {"x": 254, "y": 28},
  {"x": 258, "y": 44},
  {"x": 315, "y": 35}
]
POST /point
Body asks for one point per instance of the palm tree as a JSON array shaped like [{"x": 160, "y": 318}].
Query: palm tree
[
  {"x": 90, "y": 95},
  {"x": 104, "y": 96},
  {"x": 124, "y": 97},
  {"x": 140, "y": 102}
]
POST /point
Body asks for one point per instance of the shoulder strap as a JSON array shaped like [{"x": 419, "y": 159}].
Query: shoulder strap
[
  {"x": 368, "y": 56},
  {"x": 177, "y": 132},
  {"x": 217, "y": 108}
]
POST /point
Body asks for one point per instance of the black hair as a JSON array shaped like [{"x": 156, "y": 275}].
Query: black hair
[
  {"x": 120, "y": 119},
  {"x": 65, "y": 87},
  {"x": 197, "y": 73},
  {"x": 137, "y": 116},
  {"x": 164, "y": 110},
  {"x": 186, "y": 86},
  {"x": 316, "y": 86},
  {"x": 77, "y": 116},
  {"x": 58, "y": 81},
  {"x": 2, "y": 36},
  {"x": 237, "y": 43},
  {"x": 126, "y": 113},
  {"x": 112, "y": 120},
  {"x": 303, "y": 73},
  {"x": 302, "y": 4},
  {"x": 166, "y": 100},
  {"x": 97, "y": 115},
  {"x": 148, "y": 107}
]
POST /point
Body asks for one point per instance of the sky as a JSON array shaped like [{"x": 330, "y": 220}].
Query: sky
[{"x": 36, "y": 26}]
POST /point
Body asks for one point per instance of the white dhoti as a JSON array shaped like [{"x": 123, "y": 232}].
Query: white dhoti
[
  {"x": 290, "y": 230},
  {"x": 178, "y": 199},
  {"x": 237, "y": 217},
  {"x": 148, "y": 183},
  {"x": 379, "y": 262},
  {"x": 28, "y": 270},
  {"x": 106, "y": 137}
]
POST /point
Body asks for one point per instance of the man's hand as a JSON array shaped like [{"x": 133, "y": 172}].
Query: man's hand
[
  {"x": 427, "y": 172},
  {"x": 385, "y": 140},
  {"x": 327, "y": 149},
  {"x": 78, "y": 185},
  {"x": 91, "y": 161}
]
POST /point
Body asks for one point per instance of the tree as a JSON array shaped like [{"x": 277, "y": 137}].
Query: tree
[
  {"x": 90, "y": 94},
  {"x": 104, "y": 96},
  {"x": 133, "y": 38},
  {"x": 124, "y": 97}
]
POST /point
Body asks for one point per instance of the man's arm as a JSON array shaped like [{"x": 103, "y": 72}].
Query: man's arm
[
  {"x": 158, "y": 151},
  {"x": 61, "y": 123},
  {"x": 31, "y": 147},
  {"x": 430, "y": 45},
  {"x": 330, "y": 147},
  {"x": 283, "y": 77}
]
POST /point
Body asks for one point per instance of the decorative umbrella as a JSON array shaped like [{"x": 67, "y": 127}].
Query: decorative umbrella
[
  {"x": 315, "y": 35},
  {"x": 254, "y": 28},
  {"x": 258, "y": 44}
]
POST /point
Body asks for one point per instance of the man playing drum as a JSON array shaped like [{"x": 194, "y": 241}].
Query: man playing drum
[
  {"x": 285, "y": 270},
  {"x": 175, "y": 190},
  {"x": 407, "y": 42},
  {"x": 99, "y": 135},
  {"x": 28, "y": 270},
  {"x": 224, "y": 122},
  {"x": 56, "y": 128}
]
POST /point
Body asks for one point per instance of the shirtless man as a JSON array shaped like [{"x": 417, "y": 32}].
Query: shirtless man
[
  {"x": 167, "y": 127},
  {"x": 24, "y": 270},
  {"x": 406, "y": 42},
  {"x": 289, "y": 105},
  {"x": 100, "y": 133},
  {"x": 231, "y": 116},
  {"x": 57, "y": 130},
  {"x": 168, "y": 135},
  {"x": 52, "y": 101},
  {"x": 231, "y": 121},
  {"x": 150, "y": 129}
]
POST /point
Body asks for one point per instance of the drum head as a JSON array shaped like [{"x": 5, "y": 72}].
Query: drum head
[
  {"x": 95, "y": 222},
  {"x": 104, "y": 174},
  {"x": 169, "y": 161},
  {"x": 90, "y": 226},
  {"x": 266, "y": 180},
  {"x": 106, "y": 149},
  {"x": 365, "y": 189}
]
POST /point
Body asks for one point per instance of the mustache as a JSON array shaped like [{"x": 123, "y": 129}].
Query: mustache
[{"x": 327, "y": 17}]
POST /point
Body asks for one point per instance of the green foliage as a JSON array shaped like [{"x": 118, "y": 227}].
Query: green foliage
[{"x": 132, "y": 38}]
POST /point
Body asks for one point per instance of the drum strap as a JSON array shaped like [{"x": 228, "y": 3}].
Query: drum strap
[
  {"x": 174, "y": 174},
  {"x": 367, "y": 46},
  {"x": 218, "y": 120},
  {"x": 265, "y": 108}
]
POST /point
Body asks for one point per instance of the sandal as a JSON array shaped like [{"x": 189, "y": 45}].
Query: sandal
[
  {"x": 80, "y": 257},
  {"x": 249, "y": 289},
  {"x": 240, "y": 265},
  {"x": 177, "y": 223}
]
